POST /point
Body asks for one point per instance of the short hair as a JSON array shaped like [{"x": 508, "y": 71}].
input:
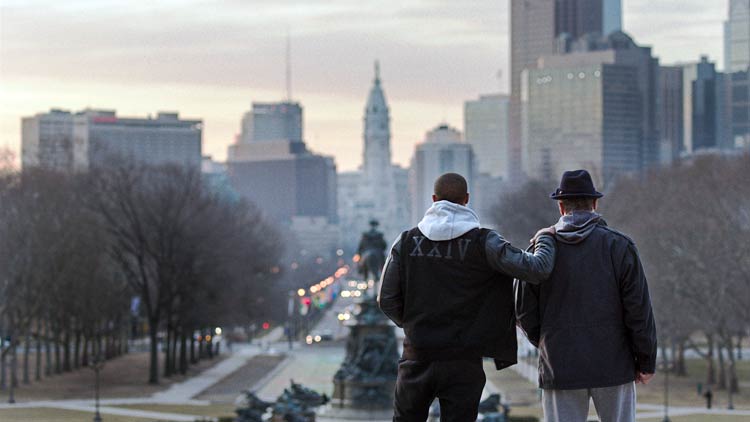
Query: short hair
[
  {"x": 580, "y": 203},
  {"x": 451, "y": 187}
]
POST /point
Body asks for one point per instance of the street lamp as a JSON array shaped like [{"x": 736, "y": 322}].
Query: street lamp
[{"x": 97, "y": 364}]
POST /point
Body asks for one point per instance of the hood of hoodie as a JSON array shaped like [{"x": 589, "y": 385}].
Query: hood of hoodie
[
  {"x": 447, "y": 221},
  {"x": 576, "y": 227}
]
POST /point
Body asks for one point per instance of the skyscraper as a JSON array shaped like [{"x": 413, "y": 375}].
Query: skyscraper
[
  {"x": 671, "y": 103},
  {"x": 272, "y": 122},
  {"x": 737, "y": 67},
  {"x": 543, "y": 27},
  {"x": 581, "y": 116},
  {"x": 737, "y": 37},
  {"x": 594, "y": 108},
  {"x": 579, "y": 17},
  {"x": 702, "y": 107},
  {"x": 486, "y": 129},
  {"x": 443, "y": 151},
  {"x": 612, "y": 16},
  {"x": 532, "y": 35},
  {"x": 271, "y": 166}
]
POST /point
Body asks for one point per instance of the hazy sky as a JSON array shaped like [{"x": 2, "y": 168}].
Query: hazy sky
[{"x": 211, "y": 59}]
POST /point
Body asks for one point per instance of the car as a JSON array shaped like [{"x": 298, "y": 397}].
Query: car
[{"x": 319, "y": 336}]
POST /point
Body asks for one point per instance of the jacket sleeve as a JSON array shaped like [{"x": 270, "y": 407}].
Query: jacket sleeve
[
  {"x": 530, "y": 267},
  {"x": 390, "y": 297},
  {"x": 638, "y": 315},
  {"x": 527, "y": 310}
]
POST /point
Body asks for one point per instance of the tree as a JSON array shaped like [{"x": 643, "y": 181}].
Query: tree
[{"x": 520, "y": 213}]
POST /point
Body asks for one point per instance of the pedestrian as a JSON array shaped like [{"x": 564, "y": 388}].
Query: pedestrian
[
  {"x": 592, "y": 320},
  {"x": 708, "y": 395},
  {"x": 449, "y": 284}
]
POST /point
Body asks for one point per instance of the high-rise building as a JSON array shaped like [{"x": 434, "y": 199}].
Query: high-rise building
[
  {"x": 379, "y": 189},
  {"x": 702, "y": 106},
  {"x": 581, "y": 116},
  {"x": 543, "y": 27},
  {"x": 167, "y": 139},
  {"x": 737, "y": 69},
  {"x": 68, "y": 141},
  {"x": 671, "y": 106},
  {"x": 443, "y": 151},
  {"x": 737, "y": 37},
  {"x": 268, "y": 122},
  {"x": 593, "y": 108},
  {"x": 271, "y": 166},
  {"x": 47, "y": 141},
  {"x": 486, "y": 129},
  {"x": 612, "y": 16},
  {"x": 294, "y": 184},
  {"x": 618, "y": 48},
  {"x": 579, "y": 17},
  {"x": 532, "y": 35}
]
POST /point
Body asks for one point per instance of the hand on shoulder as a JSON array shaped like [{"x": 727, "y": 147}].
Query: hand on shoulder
[{"x": 547, "y": 231}]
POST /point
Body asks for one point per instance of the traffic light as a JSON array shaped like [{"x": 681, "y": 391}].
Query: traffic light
[{"x": 266, "y": 325}]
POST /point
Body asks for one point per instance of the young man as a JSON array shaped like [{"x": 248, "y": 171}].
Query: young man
[
  {"x": 448, "y": 283},
  {"x": 592, "y": 320}
]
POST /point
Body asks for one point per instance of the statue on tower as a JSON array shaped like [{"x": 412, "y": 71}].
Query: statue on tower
[{"x": 371, "y": 252}]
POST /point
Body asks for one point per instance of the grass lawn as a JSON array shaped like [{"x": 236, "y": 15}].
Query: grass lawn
[
  {"x": 58, "y": 415},
  {"x": 683, "y": 390},
  {"x": 213, "y": 410},
  {"x": 707, "y": 418},
  {"x": 122, "y": 377}
]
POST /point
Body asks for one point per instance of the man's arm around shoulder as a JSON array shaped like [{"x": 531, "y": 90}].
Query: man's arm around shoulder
[
  {"x": 531, "y": 267},
  {"x": 390, "y": 297}
]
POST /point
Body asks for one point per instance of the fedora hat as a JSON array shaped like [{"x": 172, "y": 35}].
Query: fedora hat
[{"x": 576, "y": 184}]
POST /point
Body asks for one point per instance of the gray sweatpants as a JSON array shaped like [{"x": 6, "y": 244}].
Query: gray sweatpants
[{"x": 613, "y": 404}]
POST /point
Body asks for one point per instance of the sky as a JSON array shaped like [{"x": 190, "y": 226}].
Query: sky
[{"x": 212, "y": 59}]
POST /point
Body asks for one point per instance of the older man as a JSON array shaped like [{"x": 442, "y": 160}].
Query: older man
[
  {"x": 449, "y": 284},
  {"x": 592, "y": 320}
]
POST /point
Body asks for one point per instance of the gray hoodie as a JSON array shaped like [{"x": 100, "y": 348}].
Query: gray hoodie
[{"x": 574, "y": 228}]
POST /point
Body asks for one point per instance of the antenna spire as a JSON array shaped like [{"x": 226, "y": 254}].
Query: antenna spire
[
  {"x": 377, "y": 71},
  {"x": 288, "y": 66}
]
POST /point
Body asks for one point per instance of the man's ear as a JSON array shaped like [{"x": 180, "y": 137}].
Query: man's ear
[
  {"x": 434, "y": 198},
  {"x": 596, "y": 204},
  {"x": 466, "y": 201}
]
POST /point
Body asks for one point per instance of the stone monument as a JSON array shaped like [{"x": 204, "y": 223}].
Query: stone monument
[{"x": 364, "y": 385}]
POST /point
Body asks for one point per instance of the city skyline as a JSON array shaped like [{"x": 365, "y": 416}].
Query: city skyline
[{"x": 106, "y": 56}]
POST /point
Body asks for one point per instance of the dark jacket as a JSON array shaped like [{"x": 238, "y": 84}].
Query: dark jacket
[
  {"x": 449, "y": 284},
  {"x": 592, "y": 320}
]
